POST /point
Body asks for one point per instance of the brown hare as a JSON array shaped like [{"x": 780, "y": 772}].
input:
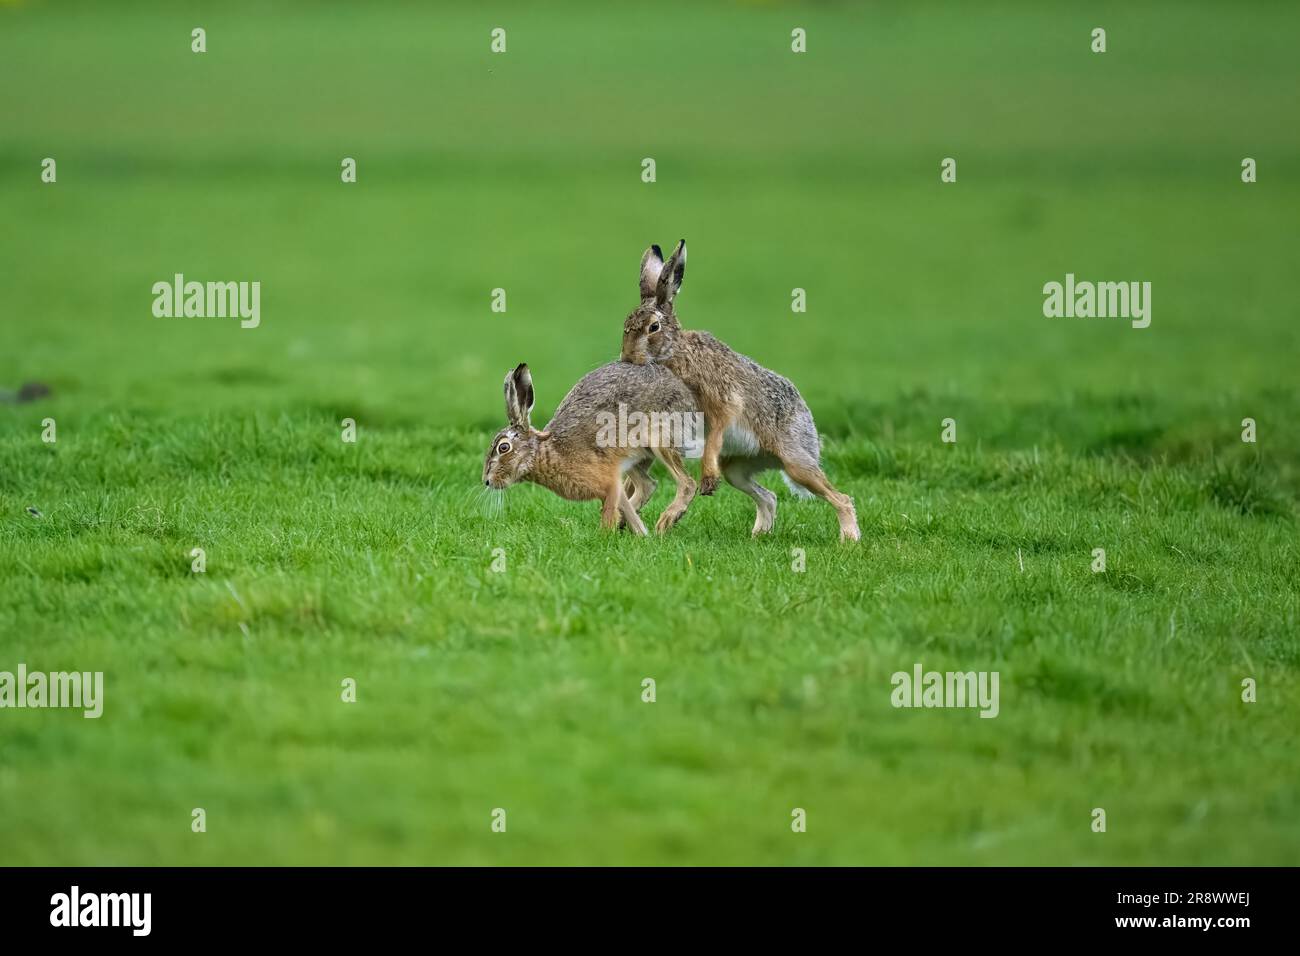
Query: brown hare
[
  {"x": 573, "y": 457},
  {"x": 756, "y": 419}
]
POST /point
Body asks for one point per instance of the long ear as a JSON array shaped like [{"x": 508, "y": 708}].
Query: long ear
[
  {"x": 652, "y": 263},
  {"x": 670, "y": 279},
  {"x": 519, "y": 397}
]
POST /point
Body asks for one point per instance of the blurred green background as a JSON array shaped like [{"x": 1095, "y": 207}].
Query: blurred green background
[{"x": 522, "y": 171}]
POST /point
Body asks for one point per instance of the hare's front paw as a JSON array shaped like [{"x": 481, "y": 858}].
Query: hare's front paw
[{"x": 709, "y": 484}]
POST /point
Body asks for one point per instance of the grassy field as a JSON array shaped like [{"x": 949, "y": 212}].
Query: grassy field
[{"x": 522, "y": 690}]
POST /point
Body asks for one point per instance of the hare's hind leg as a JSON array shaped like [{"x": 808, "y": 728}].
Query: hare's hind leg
[
  {"x": 616, "y": 510},
  {"x": 812, "y": 478},
  {"x": 639, "y": 485},
  {"x": 672, "y": 459},
  {"x": 630, "y": 517},
  {"x": 740, "y": 472}
]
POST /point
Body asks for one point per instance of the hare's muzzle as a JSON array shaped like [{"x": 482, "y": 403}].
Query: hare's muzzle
[{"x": 630, "y": 351}]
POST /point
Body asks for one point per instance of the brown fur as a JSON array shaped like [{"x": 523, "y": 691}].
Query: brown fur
[
  {"x": 733, "y": 391},
  {"x": 566, "y": 457}
]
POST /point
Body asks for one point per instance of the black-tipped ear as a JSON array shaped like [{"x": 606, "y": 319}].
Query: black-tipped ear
[
  {"x": 524, "y": 383},
  {"x": 519, "y": 397},
  {"x": 652, "y": 263},
  {"x": 670, "y": 278}
]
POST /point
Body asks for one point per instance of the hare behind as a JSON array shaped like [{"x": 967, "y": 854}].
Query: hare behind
[{"x": 756, "y": 419}]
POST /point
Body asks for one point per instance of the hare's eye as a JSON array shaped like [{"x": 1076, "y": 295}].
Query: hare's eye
[
  {"x": 503, "y": 448},
  {"x": 654, "y": 326}
]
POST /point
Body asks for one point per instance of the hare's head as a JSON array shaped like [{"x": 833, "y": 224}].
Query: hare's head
[
  {"x": 513, "y": 449},
  {"x": 650, "y": 332}
]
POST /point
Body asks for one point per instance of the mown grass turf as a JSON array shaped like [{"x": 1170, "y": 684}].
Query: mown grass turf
[{"x": 522, "y": 689}]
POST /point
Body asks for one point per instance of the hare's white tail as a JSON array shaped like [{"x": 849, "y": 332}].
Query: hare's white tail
[{"x": 799, "y": 491}]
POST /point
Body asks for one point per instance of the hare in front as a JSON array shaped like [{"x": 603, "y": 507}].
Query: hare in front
[
  {"x": 756, "y": 419},
  {"x": 572, "y": 457}
]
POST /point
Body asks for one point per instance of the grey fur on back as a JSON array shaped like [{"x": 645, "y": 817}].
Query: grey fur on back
[
  {"x": 642, "y": 388},
  {"x": 764, "y": 391}
]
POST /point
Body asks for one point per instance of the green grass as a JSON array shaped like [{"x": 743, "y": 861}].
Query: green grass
[{"x": 522, "y": 689}]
